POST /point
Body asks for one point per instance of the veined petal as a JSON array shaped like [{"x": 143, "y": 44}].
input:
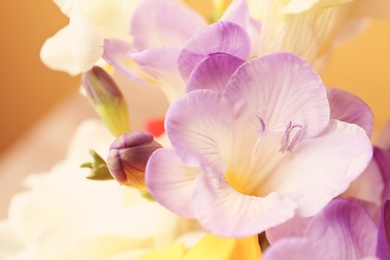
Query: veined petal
[
  {"x": 383, "y": 247},
  {"x": 115, "y": 53},
  {"x": 56, "y": 53},
  {"x": 345, "y": 228},
  {"x": 161, "y": 65},
  {"x": 294, "y": 227},
  {"x": 228, "y": 213},
  {"x": 321, "y": 168},
  {"x": 86, "y": 41},
  {"x": 349, "y": 108},
  {"x": 226, "y": 37},
  {"x": 279, "y": 88},
  {"x": 214, "y": 72},
  {"x": 297, "y": 249},
  {"x": 170, "y": 181},
  {"x": 158, "y": 23},
  {"x": 237, "y": 12},
  {"x": 299, "y": 6},
  {"x": 199, "y": 128}
]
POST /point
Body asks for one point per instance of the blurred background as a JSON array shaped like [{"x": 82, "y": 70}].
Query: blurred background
[{"x": 31, "y": 91}]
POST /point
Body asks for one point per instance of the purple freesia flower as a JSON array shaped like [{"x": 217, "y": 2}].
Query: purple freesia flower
[
  {"x": 170, "y": 39},
  {"x": 254, "y": 145},
  {"x": 342, "y": 230}
]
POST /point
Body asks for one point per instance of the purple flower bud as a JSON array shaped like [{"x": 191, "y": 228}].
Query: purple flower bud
[{"x": 128, "y": 156}]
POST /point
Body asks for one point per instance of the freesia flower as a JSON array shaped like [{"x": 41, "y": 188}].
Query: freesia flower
[
  {"x": 170, "y": 39},
  {"x": 342, "y": 230},
  {"x": 253, "y": 149},
  {"x": 63, "y": 215}
]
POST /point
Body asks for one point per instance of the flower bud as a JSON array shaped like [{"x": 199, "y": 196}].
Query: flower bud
[
  {"x": 128, "y": 156},
  {"x": 107, "y": 100}
]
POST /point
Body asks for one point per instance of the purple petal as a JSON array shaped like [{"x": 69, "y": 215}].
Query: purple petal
[
  {"x": 223, "y": 37},
  {"x": 383, "y": 247},
  {"x": 345, "y": 228},
  {"x": 321, "y": 168},
  {"x": 382, "y": 158},
  {"x": 214, "y": 72},
  {"x": 225, "y": 212},
  {"x": 199, "y": 128},
  {"x": 294, "y": 227},
  {"x": 171, "y": 182},
  {"x": 164, "y": 23},
  {"x": 280, "y": 88},
  {"x": 160, "y": 65},
  {"x": 115, "y": 53},
  {"x": 238, "y": 13},
  {"x": 297, "y": 249},
  {"x": 349, "y": 108}
]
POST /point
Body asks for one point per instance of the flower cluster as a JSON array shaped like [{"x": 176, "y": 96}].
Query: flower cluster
[{"x": 255, "y": 157}]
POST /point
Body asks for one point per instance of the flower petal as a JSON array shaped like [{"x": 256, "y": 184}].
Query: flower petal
[
  {"x": 225, "y": 212},
  {"x": 297, "y": 249},
  {"x": 383, "y": 247},
  {"x": 349, "y": 108},
  {"x": 86, "y": 41},
  {"x": 161, "y": 65},
  {"x": 382, "y": 158},
  {"x": 170, "y": 181},
  {"x": 222, "y": 36},
  {"x": 159, "y": 23},
  {"x": 345, "y": 228},
  {"x": 56, "y": 53},
  {"x": 214, "y": 72},
  {"x": 280, "y": 87},
  {"x": 321, "y": 168},
  {"x": 199, "y": 128},
  {"x": 237, "y": 12},
  {"x": 294, "y": 227}
]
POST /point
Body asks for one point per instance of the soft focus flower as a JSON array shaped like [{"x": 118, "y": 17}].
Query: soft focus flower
[
  {"x": 251, "y": 154},
  {"x": 107, "y": 99},
  {"x": 342, "y": 230},
  {"x": 63, "y": 215},
  {"x": 128, "y": 156},
  {"x": 79, "y": 45},
  {"x": 309, "y": 28}
]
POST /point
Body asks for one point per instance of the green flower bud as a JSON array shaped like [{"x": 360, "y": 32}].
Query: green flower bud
[
  {"x": 99, "y": 170},
  {"x": 107, "y": 100}
]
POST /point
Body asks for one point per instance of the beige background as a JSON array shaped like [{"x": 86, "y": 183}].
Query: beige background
[{"x": 29, "y": 89}]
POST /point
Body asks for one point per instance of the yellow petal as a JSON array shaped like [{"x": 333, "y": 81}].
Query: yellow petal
[
  {"x": 217, "y": 248},
  {"x": 174, "y": 252}
]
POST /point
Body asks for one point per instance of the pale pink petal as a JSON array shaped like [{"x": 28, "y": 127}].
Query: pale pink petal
[
  {"x": 160, "y": 64},
  {"x": 237, "y": 12},
  {"x": 280, "y": 88},
  {"x": 225, "y": 212},
  {"x": 321, "y": 168},
  {"x": 383, "y": 247},
  {"x": 346, "y": 229},
  {"x": 159, "y": 23},
  {"x": 170, "y": 181},
  {"x": 294, "y": 227},
  {"x": 349, "y": 108},
  {"x": 199, "y": 128},
  {"x": 297, "y": 249},
  {"x": 214, "y": 72},
  {"x": 226, "y": 37}
]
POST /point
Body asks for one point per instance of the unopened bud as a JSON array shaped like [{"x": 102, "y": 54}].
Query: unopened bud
[
  {"x": 107, "y": 100},
  {"x": 128, "y": 156}
]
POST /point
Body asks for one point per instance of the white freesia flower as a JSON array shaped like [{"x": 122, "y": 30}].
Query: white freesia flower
[
  {"x": 79, "y": 45},
  {"x": 65, "y": 216}
]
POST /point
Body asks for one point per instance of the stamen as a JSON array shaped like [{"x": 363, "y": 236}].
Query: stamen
[
  {"x": 286, "y": 144},
  {"x": 262, "y": 123}
]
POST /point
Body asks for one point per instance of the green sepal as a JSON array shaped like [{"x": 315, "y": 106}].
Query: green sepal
[{"x": 99, "y": 170}]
